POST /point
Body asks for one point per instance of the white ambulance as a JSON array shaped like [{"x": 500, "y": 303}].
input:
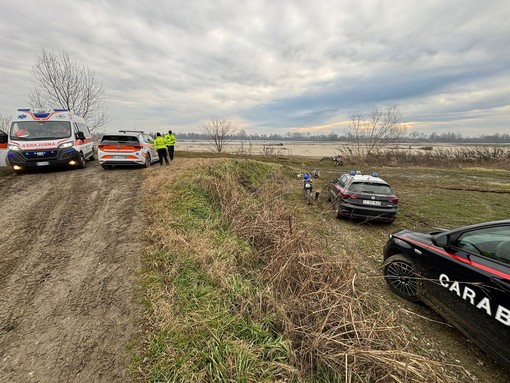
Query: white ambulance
[{"x": 40, "y": 138}]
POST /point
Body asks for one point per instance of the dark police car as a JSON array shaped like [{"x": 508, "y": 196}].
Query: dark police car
[
  {"x": 463, "y": 274},
  {"x": 365, "y": 197}
]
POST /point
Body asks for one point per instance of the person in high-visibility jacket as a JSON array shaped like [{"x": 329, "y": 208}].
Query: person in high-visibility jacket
[
  {"x": 160, "y": 145},
  {"x": 170, "y": 143}
]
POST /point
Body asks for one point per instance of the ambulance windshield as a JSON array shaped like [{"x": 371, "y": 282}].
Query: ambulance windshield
[{"x": 40, "y": 130}]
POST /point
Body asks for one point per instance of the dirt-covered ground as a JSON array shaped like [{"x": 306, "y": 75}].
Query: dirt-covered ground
[
  {"x": 70, "y": 252},
  {"x": 71, "y": 245}
]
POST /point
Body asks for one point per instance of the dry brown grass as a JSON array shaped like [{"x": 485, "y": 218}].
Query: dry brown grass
[
  {"x": 492, "y": 156},
  {"x": 329, "y": 321}
]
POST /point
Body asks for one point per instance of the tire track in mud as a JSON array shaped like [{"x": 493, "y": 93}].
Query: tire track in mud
[{"x": 70, "y": 258}]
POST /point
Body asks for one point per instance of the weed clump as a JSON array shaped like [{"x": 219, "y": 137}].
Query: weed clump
[{"x": 335, "y": 333}]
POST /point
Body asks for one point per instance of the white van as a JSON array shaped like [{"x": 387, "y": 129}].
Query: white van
[{"x": 40, "y": 138}]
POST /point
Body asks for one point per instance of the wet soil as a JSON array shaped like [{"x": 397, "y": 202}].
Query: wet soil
[{"x": 69, "y": 260}]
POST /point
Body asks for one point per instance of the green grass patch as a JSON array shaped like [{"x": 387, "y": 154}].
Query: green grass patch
[{"x": 204, "y": 322}]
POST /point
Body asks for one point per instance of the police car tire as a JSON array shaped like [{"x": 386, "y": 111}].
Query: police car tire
[
  {"x": 338, "y": 210},
  {"x": 147, "y": 161},
  {"x": 400, "y": 275}
]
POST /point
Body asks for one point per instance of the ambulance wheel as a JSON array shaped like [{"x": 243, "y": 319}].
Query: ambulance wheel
[
  {"x": 83, "y": 162},
  {"x": 147, "y": 161},
  {"x": 400, "y": 274}
]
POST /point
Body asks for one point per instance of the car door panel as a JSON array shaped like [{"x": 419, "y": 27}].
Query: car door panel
[{"x": 465, "y": 290}]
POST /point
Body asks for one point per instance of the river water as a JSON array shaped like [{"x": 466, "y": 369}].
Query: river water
[{"x": 313, "y": 149}]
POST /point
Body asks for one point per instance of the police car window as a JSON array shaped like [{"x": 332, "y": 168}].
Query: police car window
[
  {"x": 368, "y": 187},
  {"x": 493, "y": 242},
  {"x": 117, "y": 138},
  {"x": 342, "y": 180}
]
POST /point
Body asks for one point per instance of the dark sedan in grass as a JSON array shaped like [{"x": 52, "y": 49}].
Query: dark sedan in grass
[{"x": 463, "y": 274}]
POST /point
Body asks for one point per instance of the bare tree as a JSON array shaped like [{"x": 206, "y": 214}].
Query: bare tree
[
  {"x": 60, "y": 81},
  {"x": 372, "y": 134},
  {"x": 219, "y": 131}
]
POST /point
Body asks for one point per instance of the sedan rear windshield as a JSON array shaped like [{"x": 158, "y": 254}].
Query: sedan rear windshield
[
  {"x": 369, "y": 187},
  {"x": 130, "y": 139}
]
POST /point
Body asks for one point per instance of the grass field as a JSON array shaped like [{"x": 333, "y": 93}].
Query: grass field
[{"x": 246, "y": 283}]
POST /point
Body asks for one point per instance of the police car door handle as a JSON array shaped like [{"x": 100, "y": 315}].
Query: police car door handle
[{"x": 503, "y": 283}]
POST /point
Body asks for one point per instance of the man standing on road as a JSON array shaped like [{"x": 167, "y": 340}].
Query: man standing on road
[
  {"x": 170, "y": 142},
  {"x": 160, "y": 146}
]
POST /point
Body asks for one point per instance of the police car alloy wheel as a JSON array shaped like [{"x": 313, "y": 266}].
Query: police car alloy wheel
[{"x": 399, "y": 273}]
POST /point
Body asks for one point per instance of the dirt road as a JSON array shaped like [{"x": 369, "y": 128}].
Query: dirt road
[{"x": 70, "y": 250}]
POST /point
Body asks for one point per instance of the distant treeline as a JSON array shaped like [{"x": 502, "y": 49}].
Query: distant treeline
[{"x": 411, "y": 137}]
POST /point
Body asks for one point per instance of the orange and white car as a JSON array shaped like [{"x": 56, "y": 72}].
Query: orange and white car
[{"x": 126, "y": 147}]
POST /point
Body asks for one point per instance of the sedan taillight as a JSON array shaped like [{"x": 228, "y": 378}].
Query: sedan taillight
[{"x": 394, "y": 200}]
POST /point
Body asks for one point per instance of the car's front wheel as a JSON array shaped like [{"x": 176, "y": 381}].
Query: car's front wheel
[
  {"x": 338, "y": 210},
  {"x": 400, "y": 275},
  {"x": 83, "y": 163},
  {"x": 147, "y": 161}
]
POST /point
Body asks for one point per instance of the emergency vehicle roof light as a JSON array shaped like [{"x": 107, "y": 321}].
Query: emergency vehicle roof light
[
  {"x": 352, "y": 173},
  {"x": 358, "y": 172},
  {"x": 374, "y": 174}
]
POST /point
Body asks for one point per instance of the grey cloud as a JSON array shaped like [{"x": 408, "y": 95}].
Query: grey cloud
[{"x": 273, "y": 64}]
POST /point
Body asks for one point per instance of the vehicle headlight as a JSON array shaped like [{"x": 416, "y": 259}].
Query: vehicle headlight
[
  {"x": 14, "y": 147},
  {"x": 66, "y": 145}
]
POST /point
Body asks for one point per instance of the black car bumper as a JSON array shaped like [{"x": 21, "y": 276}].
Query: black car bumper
[
  {"x": 32, "y": 159},
  {"x": 370, "y": 213}
]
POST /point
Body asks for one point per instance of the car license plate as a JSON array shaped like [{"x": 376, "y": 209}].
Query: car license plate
[
  {"x": 42, "y": 163},
  {"x": 370, "y": 202},
  {"x": 119, "y": 157}
]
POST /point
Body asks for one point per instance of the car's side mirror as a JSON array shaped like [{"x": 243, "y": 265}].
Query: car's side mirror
[
  {"x": 80, "y": 135},
  {"x": 441, "y": 240}
]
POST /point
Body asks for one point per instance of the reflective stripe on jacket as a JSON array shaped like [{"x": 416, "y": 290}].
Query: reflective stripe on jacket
[
  {"x": 169, "y": 139},
  {"x": 159, "y": 143}
]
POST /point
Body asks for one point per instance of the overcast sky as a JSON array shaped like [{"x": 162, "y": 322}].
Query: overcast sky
[{"x": 273, "y": 66}]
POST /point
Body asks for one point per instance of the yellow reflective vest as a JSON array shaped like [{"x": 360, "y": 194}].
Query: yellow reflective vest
[
  {"x": 169, "y": 139},
  {"x": 159, "y": 143}
]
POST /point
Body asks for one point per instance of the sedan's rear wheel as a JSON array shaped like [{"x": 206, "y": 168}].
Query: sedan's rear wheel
[
  {"x": 400, "y": 275},
  {"x": 338, "y": 210}
]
